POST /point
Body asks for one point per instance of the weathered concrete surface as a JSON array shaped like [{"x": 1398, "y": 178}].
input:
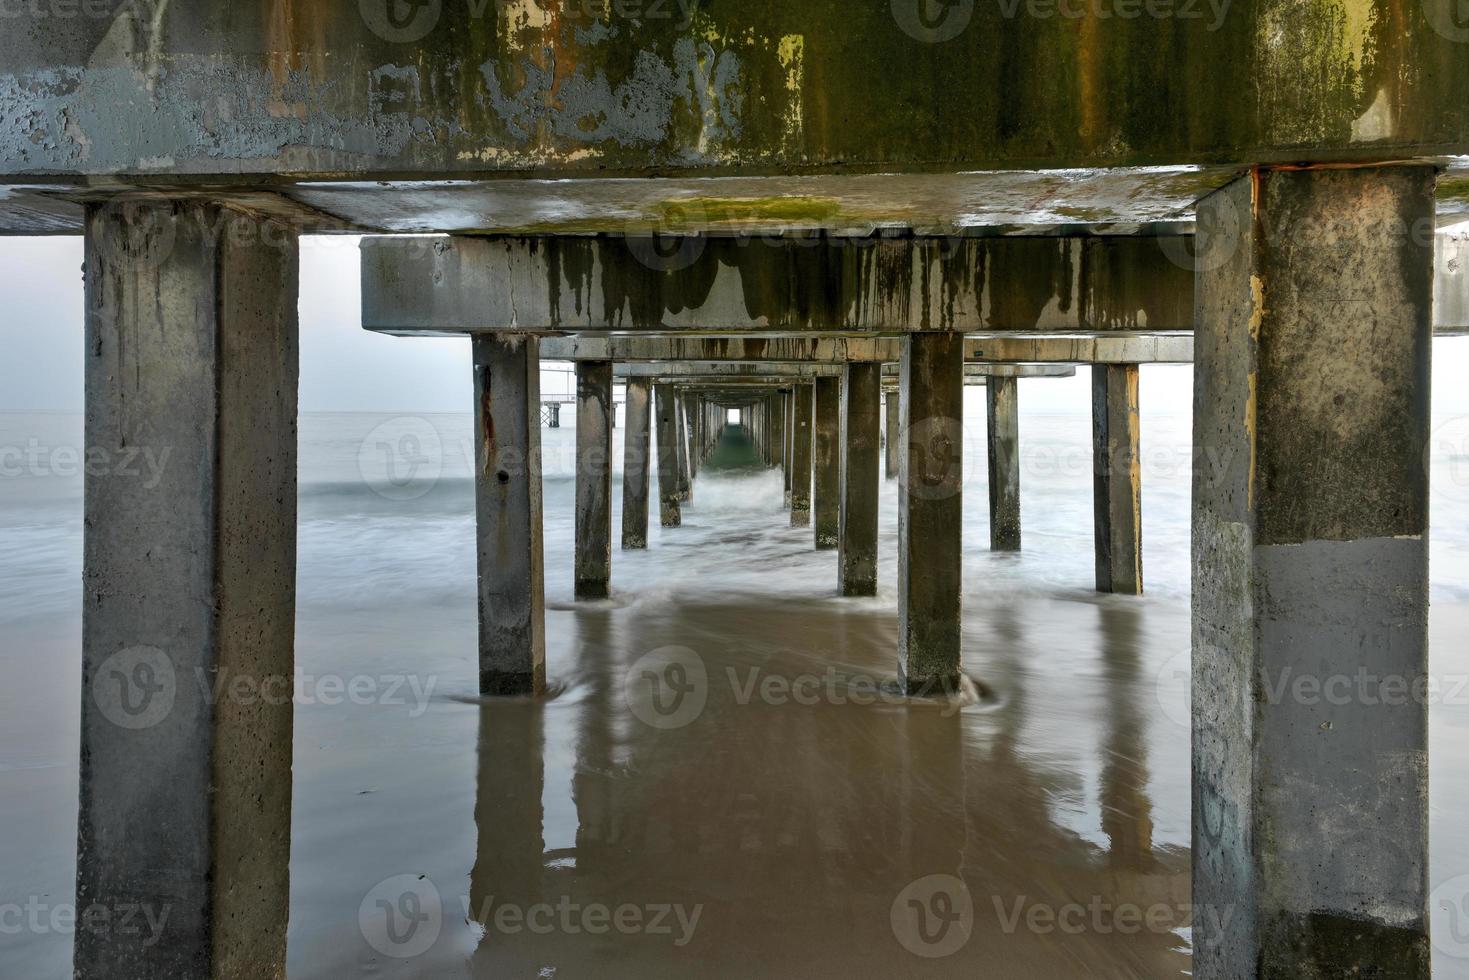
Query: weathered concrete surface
[
  {"x": 188, "y": 582},
  {"x": 1310, "y": 561},
  {"x": 507, "y": 479},
  {"x": 1117, "y": 481},
  {"x": 892, "y": 433},
  {"x": 788, "y": 397},
  {"x": 684, "y": 480},
  {"x": 931, "y": 512},
  {"x": 860, "y": 448},
  {"x": 424, "y": 285},
  {"x": 826, "y": 464},
  {"x": 802, "y": 432},
  {"x": 636, "y": 456},
  {"x": 593, "y": 479},
  {"x": 1121, "y": 347},
  {"x": 442, "y": 90},
  {"x": 670, "y": 513},
  {"x": 1002, "y": 440}
]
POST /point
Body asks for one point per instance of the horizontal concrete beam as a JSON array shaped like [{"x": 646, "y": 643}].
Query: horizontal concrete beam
[
  {"x": 1118, "y": 348},
  {"x": 234, "y": 92},
  {"x": 720, "y": 371},
  {"x": 710, "y": 285}
]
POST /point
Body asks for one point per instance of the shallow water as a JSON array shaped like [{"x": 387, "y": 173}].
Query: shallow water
[{"x": 789, "y": 816}]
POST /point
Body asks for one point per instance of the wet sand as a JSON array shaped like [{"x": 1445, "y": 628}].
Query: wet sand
[{"x": 783, "y": 828}]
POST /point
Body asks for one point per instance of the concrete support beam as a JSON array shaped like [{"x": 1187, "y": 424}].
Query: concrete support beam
[
  {"x": 594, "y": 410},
  {"x": 185, "y": 799},
  {"x": 931, "y": 512},
  {"x": 826, "y": 464},
  {"x": 669, "y": 510},
  {"x": 802, "y": 431},
  {"x": 1002, "y": 436},
  {"x": 507, "y": 467},
  {"x": 636, "y": 458},
  {"x": 1117, "y": 478},
  {"x": 1126, "y": 347},
  {"x": 790, "y": 421},
  {"x": 861, "y": 435},
  {"x": 1310, "y": 509},
  {"x": 414, "y": 285},
  {"x": 892, "y": 441}
]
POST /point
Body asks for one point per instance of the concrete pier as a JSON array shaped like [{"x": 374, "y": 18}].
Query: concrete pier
[
  {"x": 594, "y": 411},
  {"x": 1117, "y": 478},
  {"x": 636, "y": 458},
  {"x": 1310, "y": 507},
  {"x": 684, "y": 482},
  {"x": 789, "y": 442},
  {"x": 892, "y": 434},
  {"x": 1002, "y": 436},
  {"x": 826, "y": 464},
  {"x": 191, "y": 356},
  {"x": 931, "y": 511},
  {"x": 860, "y": 437},
  {"x": 507, "y": 470},
  {"x": 801, "y": 432},
  {"x": 670, "y": 512}
]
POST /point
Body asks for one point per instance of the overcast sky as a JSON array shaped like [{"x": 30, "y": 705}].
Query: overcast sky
[{"x": 346, "y": 369}]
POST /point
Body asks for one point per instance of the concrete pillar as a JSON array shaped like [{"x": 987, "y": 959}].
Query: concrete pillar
[
  {"x": 801, "y": 457},
  {"x": 1310, "y": 589},
  {"x": 188, "y": 579},
  {"x": 635, "y": 459},
  {"x": 860, "y": 435},
  {"x": 1003, "y": 437},
  {"x": 930, "y": 511},
  {"x": 669, "y": 509},
  {"x": 681, "y": 448},
  {"x": 893, "y": 436},
  {"x": 826, "y": 464},
  {"x": 1117, "y": 478},
  {"x": 789, "y": 441},
  {"x": 593, "y": 479},
  {"x": 507, "y": 467}
]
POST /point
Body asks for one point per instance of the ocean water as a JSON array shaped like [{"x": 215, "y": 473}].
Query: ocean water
[{"x": 786, "y": 824}]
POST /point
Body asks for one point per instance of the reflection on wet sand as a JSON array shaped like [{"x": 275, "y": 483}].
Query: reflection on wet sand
[{"x": 767, "y": 836}]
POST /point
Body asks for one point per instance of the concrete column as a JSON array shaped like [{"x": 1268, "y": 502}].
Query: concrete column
[
  {"x": 635, "y": 459},
  {"x": 1117, "y": 478},
  {"x": 669, "y": 509},
  {"x": 593, "y": 479},
  {"x": 1003, "y": 437},
  {"x": 1310, "y": 512},
  {"x": 801, "y": 457},
  {"x": 893, "y": 436},
  {"x": 681, "y": 448},
  {"x": 507, "y": 466},
  {"x": 189, "y": 580},
  {"x": 930, "y": 511},
  {"x": 788, "y": 442},
  {"x": 826, "y": 464},
  {"x": 860, "y": 436}
]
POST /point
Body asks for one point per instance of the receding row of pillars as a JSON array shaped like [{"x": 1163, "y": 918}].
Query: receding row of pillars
[{"x": 1309, "y": 536}]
